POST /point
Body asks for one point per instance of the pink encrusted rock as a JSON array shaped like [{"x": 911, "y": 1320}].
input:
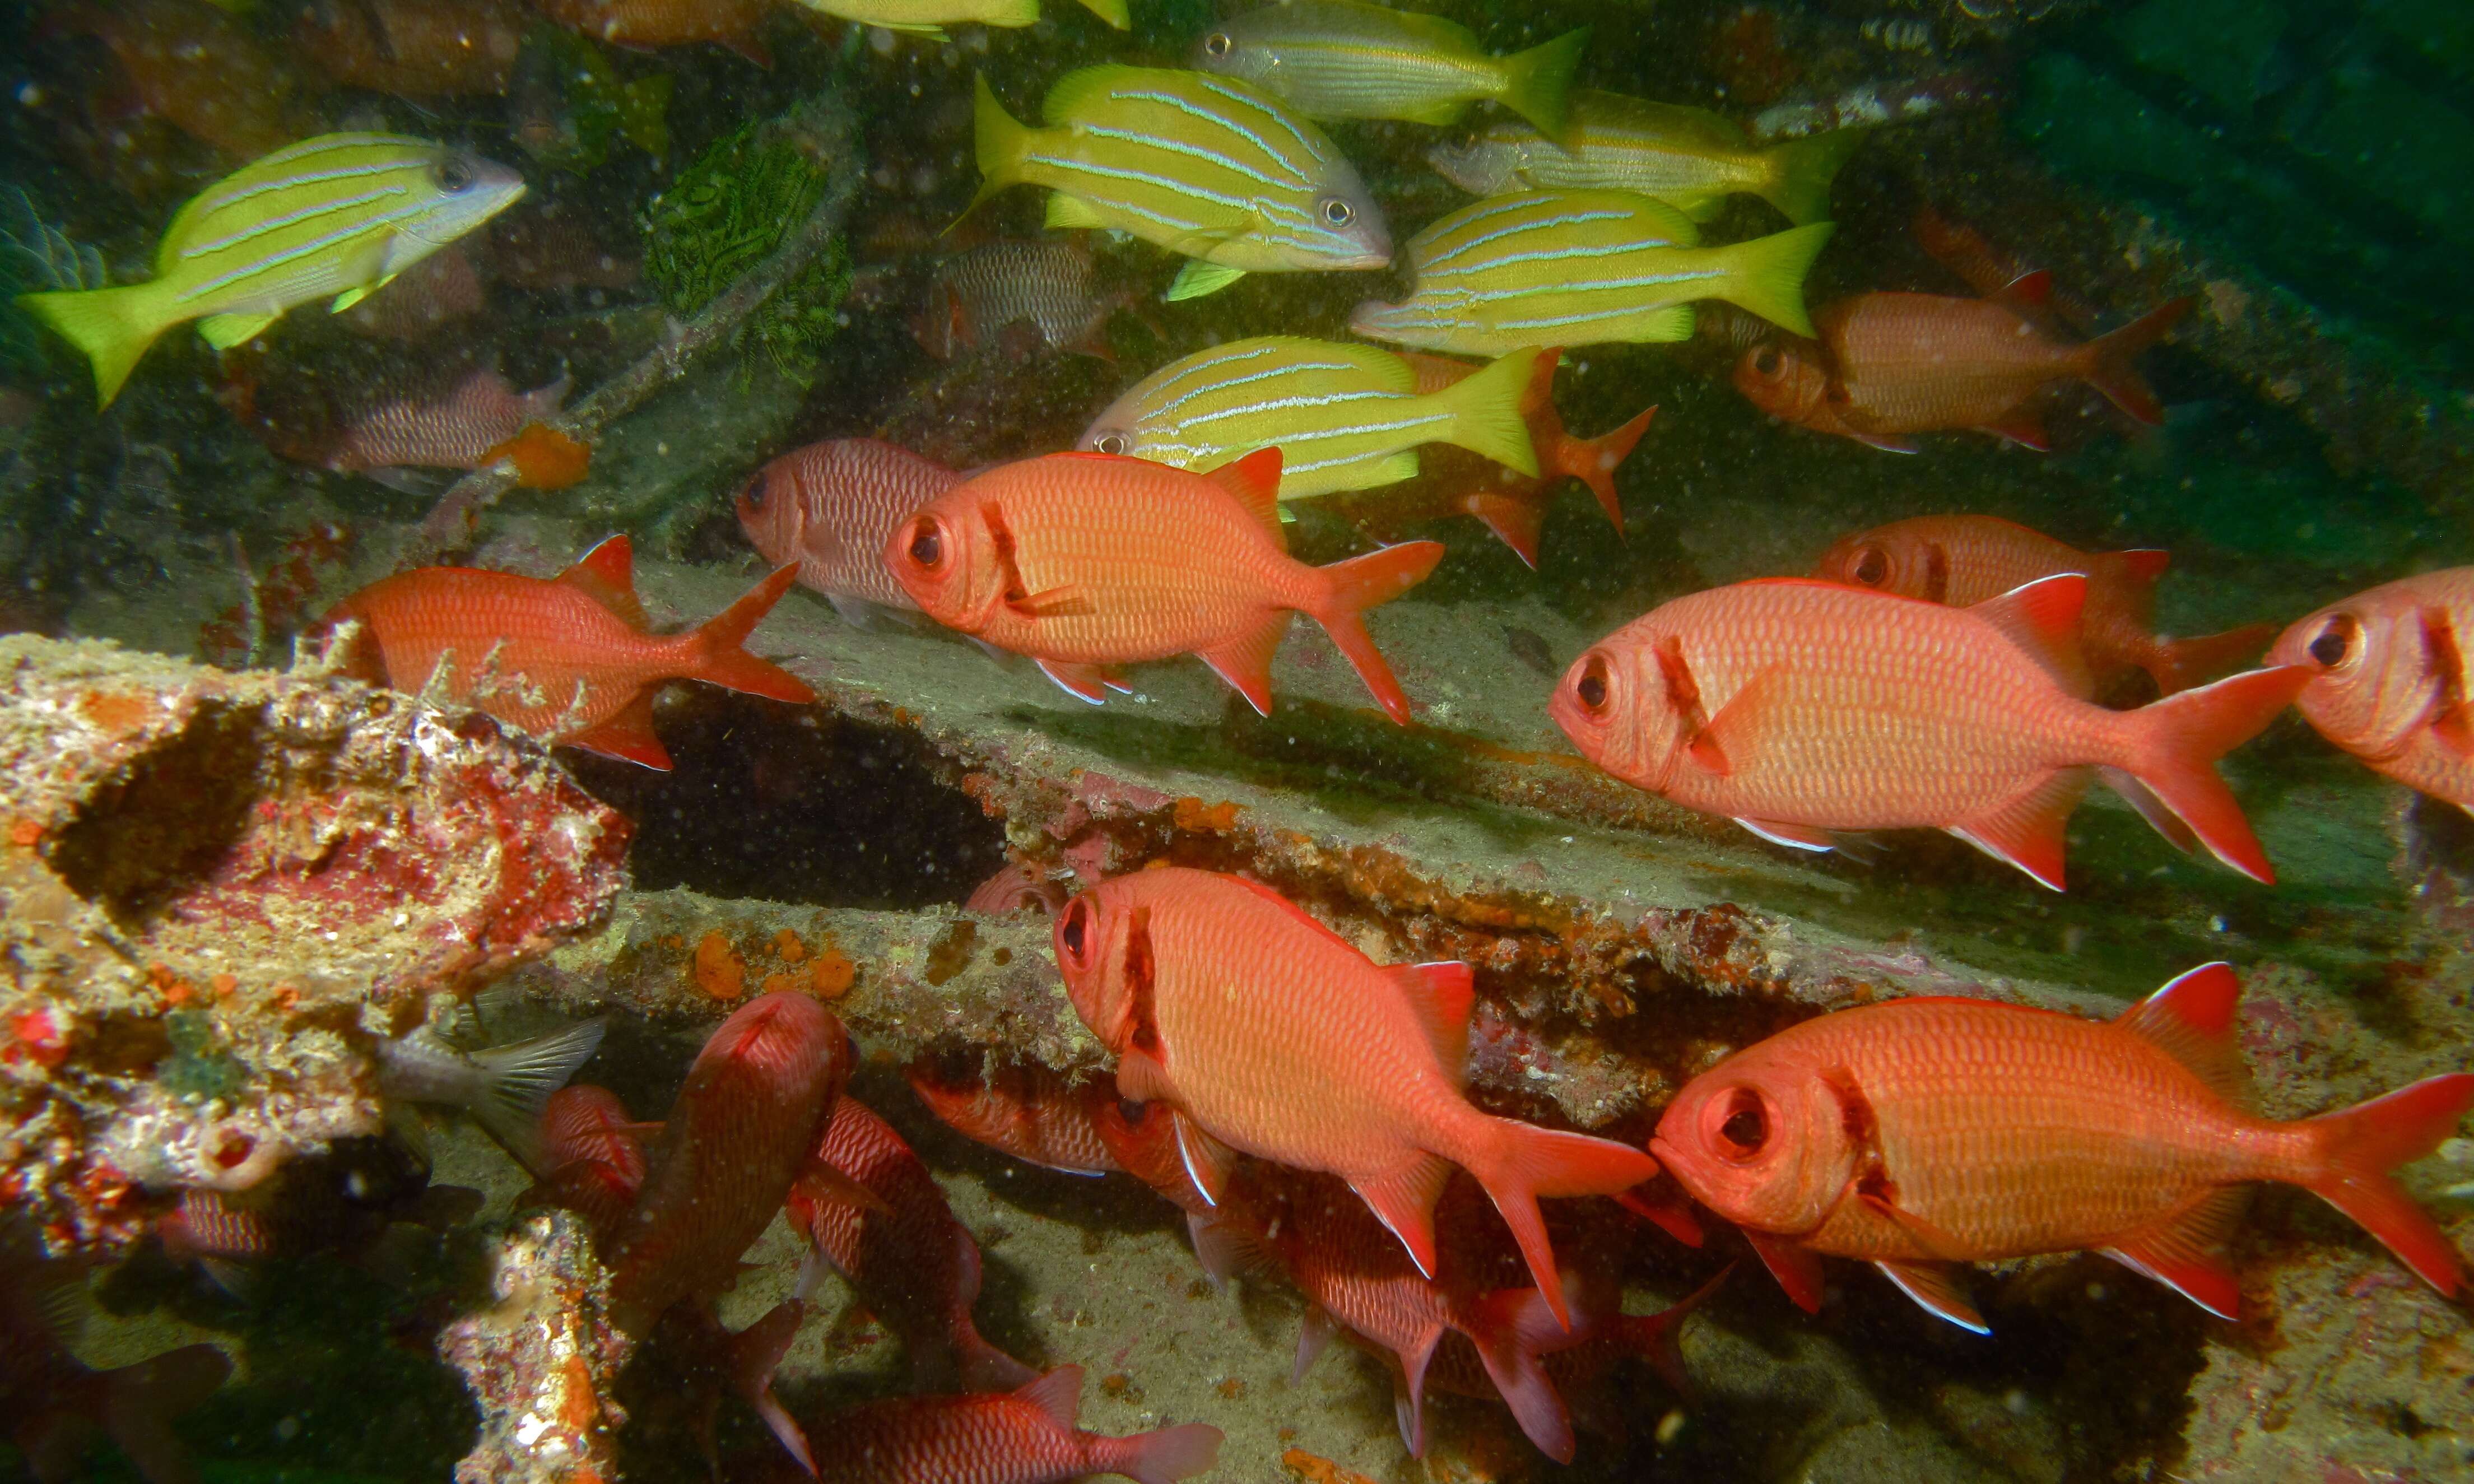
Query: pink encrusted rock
[
  {"x": 221, "y": 890},
  {"x": 539, "y": 1360}
]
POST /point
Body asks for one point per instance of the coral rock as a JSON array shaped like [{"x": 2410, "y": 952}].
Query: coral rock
[{"x": 539, "y": 1360}]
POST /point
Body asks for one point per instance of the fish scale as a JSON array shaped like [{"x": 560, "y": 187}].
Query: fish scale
[
  {"x": 1025, "y": 1436},
  {"x": 1339, "y": 59},
  {"x": 830, "y": 507}
]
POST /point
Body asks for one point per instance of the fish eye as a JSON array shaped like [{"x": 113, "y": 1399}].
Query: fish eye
[
  {"x": 1872, "y": 566},
  {"x": 1216, "y": 44},
  {"x": 1111, "y": 443},
  {"x": 2335, "y": 640},
  {"x": 1766, "y": 360},
  {"x": 927, "y": 545},
  {"x": 1337, "y": 212},
  {"x": 1591, "y": 688},
  {"x": 1075, "y": 932},
  {"x": 752, "y": 498},
  {"x": 454, "y": 176},
  {"x": 1746, "y": 1127}
]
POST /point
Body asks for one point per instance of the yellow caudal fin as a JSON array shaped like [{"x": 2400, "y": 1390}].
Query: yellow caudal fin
[
  {"x": 112, "y": 325},
  {"x": 1486, "y": 412},
  {"x": 997, "y": 139},
  {"x": 1113, "y": 11},
  {"x": 1801, "y": 170},
  {"x": 1538, "y": 83},
  {"x": 1767, "y": 276}
]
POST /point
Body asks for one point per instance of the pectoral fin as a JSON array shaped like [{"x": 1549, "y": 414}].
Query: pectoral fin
[
  {"x": 1198, "y": 278},
  {"x": 1058, "y": 602},
  {"x": 1943, "y": 1247},
  {"x": 352, "y": 296}
]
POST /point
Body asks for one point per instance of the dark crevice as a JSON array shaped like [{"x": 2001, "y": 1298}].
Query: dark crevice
[
  {"x": 169, "y": 815},
  {"x": 792, "y": 804}
]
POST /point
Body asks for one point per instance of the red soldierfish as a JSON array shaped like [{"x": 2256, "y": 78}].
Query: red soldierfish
[
  {"x": 1012, "y": 889},
  {"x": 914, "y": 1267},
  {"x": 1025, "y": 1436},
  {"x": 51, "y": 1402},
  {"x": 744, "y": 1125},
  {"x": 1089, "y": 561},
  {"x": 2392, "y": 681},
  {"x": 461, "y": 429},
  {"x": 1018, "y": 1108},
  {"x": 1592, "y": 461},
  {"x": 1050, "y": 289},
  {"x": 830, "y": 507},
  {"x": 568, "y": 659},
  {"x": 1268, "y": 1033},
  {"x": 1797, "y": 708},
  {"x": 1887, "y": 365},
  {"x": 1961, "y": 560},
  {"x": 1916, "y": 1134},
  {"x": 595, "y": 1154}
]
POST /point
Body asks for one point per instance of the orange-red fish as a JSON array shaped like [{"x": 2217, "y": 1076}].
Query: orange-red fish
[
  {"x": 1917, "y": 1134},
  {"x": 1019, "y": 1108},
  {"x": 1050, "y": 288},
  {"x": 736, "y": 24},
  {"x": 568, "y": 659},
  {"x": 594, "y": 1153},
  {"x": 831, "y": 508},
  {"x": 541, "y": 457},
  {"x": 1592, "y": 461},
  {"x": 1887, "y": 365},
  {"x": 1086, "y": 562},
  {"x": 1141, "y": 1137},
  {"x": 2391, "y": 680},
  {"x": 1267, "y": 1032},
  {"x": 913, "y": 1266},
  {"x": 742, "y": 1126},
  {"x": 1961, "y": 560},
  {"x": 1797, "y": 708},
  {"x": 187, "y": 63},
  {"x": 1580, "y": 1364},
  {"x": 460, "y": 429},
  {"x": 51, "y": 1404},
  {"x": 414, "y": 48},
  {"x": 1023, "y": 1436}
]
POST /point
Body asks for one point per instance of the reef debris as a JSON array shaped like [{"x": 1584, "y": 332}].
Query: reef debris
[
  {"x": 219, "y": 891},
  {"x": 540, "y": 1359}
]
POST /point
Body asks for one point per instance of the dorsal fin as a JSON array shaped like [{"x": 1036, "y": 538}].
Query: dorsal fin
[
  {"x": 2191, "y": 1020},
  {"x": 1255, "y": 481},
  {"x": 2043, "y": 618},
  {"x": 1059, "y": 1394},
  {"x": 2031, "y": 290},
  {"x": 1440, "y": 993},
  {"x": 2144, "y": 562},
  {"x": 607, "y": 574}
]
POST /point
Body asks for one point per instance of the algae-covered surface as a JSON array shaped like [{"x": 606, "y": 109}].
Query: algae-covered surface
[{"x": 222, "y": 895}]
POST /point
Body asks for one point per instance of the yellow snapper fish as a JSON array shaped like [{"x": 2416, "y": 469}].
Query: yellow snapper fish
[
  {"x": 1343, "y": 59},
  {"x": 1214, "y": 169},
  {"x": 931, "y": 17},
  {"x": 1690, "y": 158},
  {"x": 1581, "y": 267},
  {"x": 340, "y": 214},
  {"x": 1344, "y": 417}
]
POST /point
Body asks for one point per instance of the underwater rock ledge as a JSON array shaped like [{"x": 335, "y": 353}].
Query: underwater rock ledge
[{"x": 218, "y": 890}]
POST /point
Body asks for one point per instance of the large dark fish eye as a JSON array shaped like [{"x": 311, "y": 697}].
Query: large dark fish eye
[
  {"x": 454, "y": 176},
  {"x": 1076, "y": 930},
  {"x": 1216, "y": 44},
  {"x": 1766, "y": 360},
  {"x": 1591, "y": 687},
  {"x": 1872, "y": 566},
  {"x": 752, "y": 498},
  {"x": 1337, "y": 212},
  {"x": 2335, "y": 640},
  {"x": 1111, "y": 443},
  {"x": 1747, "y": 1126},
  {"x": 927, "y": 545}
]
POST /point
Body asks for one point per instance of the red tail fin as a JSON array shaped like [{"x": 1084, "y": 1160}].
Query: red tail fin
[
  {"x": 1653, "y": 1337},
  {"x": 1170, "y": 1453},
  {"x": 1510, "y": 1329},
  {"x": 2176, "y": 742},
  {"x": 1525, "y": 1162},
  {"x": 2358, "y": 1148},
  {"x": 1516, "y": 519},
  {"x": 2107, "y": 360},
  {"x": 1593, "y": 460},
  {"x": 1364, "y": 582},
  {"x": 719, "y": 659},
  {"x": 985, "y": 1368},
  {"x": 2179, "y": 664},
  {"x": 754, "y": 1353}
]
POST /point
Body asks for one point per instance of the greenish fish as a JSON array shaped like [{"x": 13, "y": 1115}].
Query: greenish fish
[
  {"x": 1214, "y": 169},
  {"x": 1690, "y": 158},
  {"x": 335, "y": 216},
  {"x": 1344, "y": 417},
  {"x": 1581, "y": 267},
  {"x": 1343, "y": 59}
]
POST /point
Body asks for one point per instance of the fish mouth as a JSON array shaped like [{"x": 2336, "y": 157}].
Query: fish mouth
[{"x": 1373, "y": 316}]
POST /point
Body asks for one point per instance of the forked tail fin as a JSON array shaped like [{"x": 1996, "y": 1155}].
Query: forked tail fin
[
  {"x": 1364, "y": 582},
  {"x": 1520, "y": 1161},
  {"x": 754, "y": 1354},
  {"x": 1513, "y": 1328},
  {"x": 2107, "y": 360},
  {"x": 1766, "y": 275},
  {"x": 2360, "y": 1146},
  {"x": 112, "y": 325},
  {"x": 1593, "y": 461},
  {"x": 2179, "y": 664},
  {"x": 998, "y": 140},
  {"x": 719, "y": 659},
  {"x": 1801, "y": 171},
  {"x": 1538, "y": 83},
  {"x": 2175, "y": 743},
  {"x": 1170, "y": 1454},
  {"x": 1487, "y": 410}
]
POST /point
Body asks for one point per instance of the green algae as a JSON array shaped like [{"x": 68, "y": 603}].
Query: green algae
[
  {"x": 200, "y": 1066},
  {"x": 575, "y": 103}
]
